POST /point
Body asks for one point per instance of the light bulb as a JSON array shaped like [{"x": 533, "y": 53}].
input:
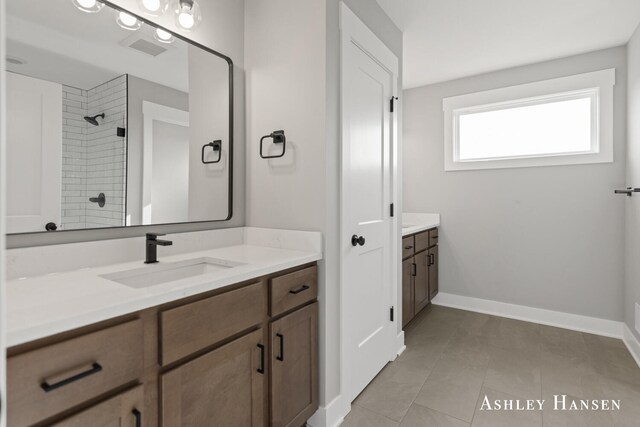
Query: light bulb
[
  {"x": 89, "y": 6},
  {"x": 153, "y": 7},
  {"x": 128, "y": 21},
  {"x": 186, "y": 20},
  {"x": 188, "y": 14},
  {"x": 163, "y": 36}
]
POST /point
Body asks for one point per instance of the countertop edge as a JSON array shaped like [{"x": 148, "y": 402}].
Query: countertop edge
[
  {"x": 19, "y": 337},
  {"x": 418, "y": 228}
]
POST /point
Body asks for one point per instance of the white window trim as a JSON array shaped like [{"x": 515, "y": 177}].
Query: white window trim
[{"x": 598, "y": 84}]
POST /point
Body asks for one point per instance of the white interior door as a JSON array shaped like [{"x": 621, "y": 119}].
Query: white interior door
[
  {"x": 34, "y": 145},
  {"x": 165, "y": 134},
  {"x": 368, "y": 286}
]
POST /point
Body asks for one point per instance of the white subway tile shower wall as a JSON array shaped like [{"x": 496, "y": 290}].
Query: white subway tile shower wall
[
  {"x": 74, "y": 158},
  {"x": 94, "y": 157}
]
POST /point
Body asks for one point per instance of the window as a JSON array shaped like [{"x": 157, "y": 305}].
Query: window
[{"x": 554, "y": 122}]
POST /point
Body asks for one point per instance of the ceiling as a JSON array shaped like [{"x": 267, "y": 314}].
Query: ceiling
[
  {"x": 62, "y": 44},
  {"x": 450, "y": 39}
]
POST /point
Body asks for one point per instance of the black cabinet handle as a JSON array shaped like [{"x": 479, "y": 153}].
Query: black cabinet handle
[
  {"x": 281, "y": 356},
  {"x": 432, "y": 259},
  {"x": 138, "y": 416},
  {"x": 300, "y": 289},
  {"x": 95, "y": 368},
  {"x": 408, "y": 247},
  {"x": 261, "y": 368},
  {"x": 413, "y": 270}
]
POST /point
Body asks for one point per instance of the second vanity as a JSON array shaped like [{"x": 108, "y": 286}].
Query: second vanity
[
  {"x": 420, "y": 260},
  {"x": 234, "y": 345}
]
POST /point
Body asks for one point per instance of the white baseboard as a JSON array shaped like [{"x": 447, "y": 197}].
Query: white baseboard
[
  {"x": 331, "y": 415},
  {"x": 576, "y": 322},
  {"x": 632, "y": 343},
  {"x": 400, "y": 344}
]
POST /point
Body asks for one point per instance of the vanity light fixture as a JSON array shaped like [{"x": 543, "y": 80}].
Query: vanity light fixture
[
  {"x": 163, "y": 36},
  {"x": 188, "y": 14},
  {"x": 127, "y": 21},
  {"x": 153, "y": 7},
  {"x": 89, "y": 6}
]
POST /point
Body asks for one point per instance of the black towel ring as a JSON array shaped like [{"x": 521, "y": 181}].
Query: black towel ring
[
  {"x": 217, "y": 147},
  {"x": 278, "y": 138}
]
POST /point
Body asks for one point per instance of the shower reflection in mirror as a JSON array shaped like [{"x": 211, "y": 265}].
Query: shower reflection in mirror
[{"x": 95, "y": 108}]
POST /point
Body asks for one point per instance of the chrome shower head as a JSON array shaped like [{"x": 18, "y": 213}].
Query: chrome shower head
[{"x": 94, "y": 120}]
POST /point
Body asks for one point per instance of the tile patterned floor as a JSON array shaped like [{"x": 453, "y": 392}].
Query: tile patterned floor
[{"x": 454, "y": 358}]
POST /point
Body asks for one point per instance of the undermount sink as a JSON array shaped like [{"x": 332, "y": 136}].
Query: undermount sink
[{"x": 158, "y": 274}]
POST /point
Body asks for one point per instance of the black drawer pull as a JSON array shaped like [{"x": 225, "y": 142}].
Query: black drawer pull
[
  {"x": 300, "y": 289},
  {"x": 95, "y": 368},
  {"x": 432, "y": 258},
  {"x": 261, "y": 368},
  {"x": 281, "y": 356},
  {"x": 408, "y": 247},
  {"x": 138, "y": 416}
]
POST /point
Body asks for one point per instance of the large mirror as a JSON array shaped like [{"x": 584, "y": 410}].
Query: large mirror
[{"x": 112, "y": 122}]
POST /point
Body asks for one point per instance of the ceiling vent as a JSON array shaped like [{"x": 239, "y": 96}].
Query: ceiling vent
[
  {"x": 147, "y": 47},
  {"x": 143, "y": 41}
]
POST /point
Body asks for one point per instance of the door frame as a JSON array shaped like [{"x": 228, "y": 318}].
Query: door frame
[
  {"x": 3, "y": 181},
  {"x": 154, "y": 112},
  {"x": 354, "y": 31}
]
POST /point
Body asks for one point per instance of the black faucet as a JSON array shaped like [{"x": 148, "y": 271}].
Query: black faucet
[{"x": 152, "y": 247}]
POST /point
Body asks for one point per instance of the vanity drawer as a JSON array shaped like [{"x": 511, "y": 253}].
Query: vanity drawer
[
  {"x": 293, "y": 290},
  {"x": 408, "y": 245},
  {"x": 192, "y": 327},
  {"x": 44, "y": 382},
  {"x": 422, "y": 241},
  {"x": 433, "y": 237}
]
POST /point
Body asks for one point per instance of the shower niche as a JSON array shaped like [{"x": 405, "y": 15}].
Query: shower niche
[{"x": 111, "y": 126}]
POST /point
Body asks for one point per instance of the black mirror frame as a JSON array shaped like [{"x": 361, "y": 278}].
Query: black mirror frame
[{"x": 229, "y": 149}]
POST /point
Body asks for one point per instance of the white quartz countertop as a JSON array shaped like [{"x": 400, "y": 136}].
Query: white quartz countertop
[
  {"x": 416, "y": 222},
  {"x": 46, "y": 305}
]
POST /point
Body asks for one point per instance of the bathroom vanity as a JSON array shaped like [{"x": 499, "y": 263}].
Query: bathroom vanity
[
  {"x": 420, "y": 258},
  {"x": 232, "y": 345}
]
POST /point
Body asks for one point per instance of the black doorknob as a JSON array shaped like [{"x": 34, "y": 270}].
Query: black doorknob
[
  {"x": 355, "y": 240},
  {"x": 51, "y": 226}
]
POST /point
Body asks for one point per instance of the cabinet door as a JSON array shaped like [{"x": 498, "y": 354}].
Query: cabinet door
[
  {"x": 421, "y": 281},
  {"x": 407, "y": 292},
  {"x": 123, "y": 410},
  {"x": 294, "y": 367},
  {"x": 433, "y": 272},
  {"x": 224, "y": 387}
]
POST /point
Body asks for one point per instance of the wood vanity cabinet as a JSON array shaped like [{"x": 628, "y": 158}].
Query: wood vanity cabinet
[
  {"x": 419, "y": 272},
  {"x": 222, "y": 387},
  {"x": 125, "y": 409},
  {"x": 294, "y": 367},
  {"x": 244, "y": 355}
]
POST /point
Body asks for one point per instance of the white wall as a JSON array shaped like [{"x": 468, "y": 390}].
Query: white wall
[
  {"x": 632, "y": 205},
  {"x": 143, "y": 90},
  {"x": 170, "y": 173},
  {"x": 208, "y": 121},
  {"x": 293, "y": 62},
  {"x": 549, "y": 237}
]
